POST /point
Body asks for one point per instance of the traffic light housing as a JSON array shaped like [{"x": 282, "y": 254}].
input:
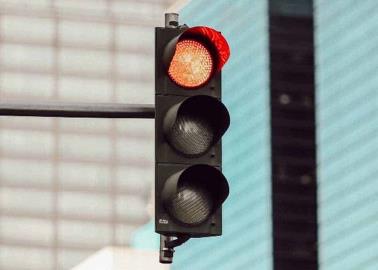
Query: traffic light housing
[{"x": 190, "y": 120}]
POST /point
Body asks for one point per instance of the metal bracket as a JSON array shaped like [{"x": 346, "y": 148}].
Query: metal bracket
[{"x": 167, "y": 246}]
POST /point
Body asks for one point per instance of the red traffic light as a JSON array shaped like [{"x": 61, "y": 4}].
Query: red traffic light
[
  {"x": 195, "y": 55},
  {"x": 191, "y": 65}
]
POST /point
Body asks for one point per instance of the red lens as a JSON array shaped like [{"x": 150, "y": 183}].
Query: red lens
[{"x": 192, "y": 64}]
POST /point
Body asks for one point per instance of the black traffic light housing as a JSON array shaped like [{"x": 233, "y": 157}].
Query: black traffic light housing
[{"x": 189, "y": 123}]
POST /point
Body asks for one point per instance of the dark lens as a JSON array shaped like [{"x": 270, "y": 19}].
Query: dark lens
[
  {"x": 192, "y": 134},
  {"x": 193, "y": 126},
  {"x": 192, "y": 205}
]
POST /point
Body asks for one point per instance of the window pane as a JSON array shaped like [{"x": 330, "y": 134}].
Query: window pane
[
  {"x": 135, "y": 180},
  {"x": 21, "y": 123},
  {"x": 18, "y": 201},
  {"x": 133, "y": 150},
  {"x": 124, "y": 234},
  {"x": 83, "y": 234},
  {"x": 81, "y": 33},
  {"x": 85, "y": 125},
  {"x": 26, "y": 57},
  {"x": 85, "y": 90},
  {"x": 87, "y": 176},
  {"x": 137, "y": 9},
  {"x": 26, "y": 172},
  {"x": 84, "y": 61},
  {"x": 27, "y": 29},
  {"x": 133, "y": 92},
  {"x": 143, "y": 128},
  {"x": 91, "y": 148},
  {"x": 19, "y": 229},
  {"x": 21, "y": 84},
  {"x": 131, "y": 208},
  {"x": 68, "y": 258},
  {"x": 92, "y": 5},
  {"x": 135, "y": 66},
  {"x": 78, "y": 205},
  {"x": 18, "y": 258},
  {"x": 133, "y": 37},
  {"x": 25, "y": 4},
  {"x": 26, "y": 143}
]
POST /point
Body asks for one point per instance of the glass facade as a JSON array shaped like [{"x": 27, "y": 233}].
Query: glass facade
[
  {"x": 347, "y": 132},
  {"x": 246, "y": 242}
]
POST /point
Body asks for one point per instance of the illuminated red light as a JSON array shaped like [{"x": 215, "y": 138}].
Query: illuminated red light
[{"x": 192, "y": 64}]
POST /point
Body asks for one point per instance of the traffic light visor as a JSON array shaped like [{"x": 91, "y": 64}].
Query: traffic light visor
[
  {"x": 193, "y": 126},
  {"x": 192, "y": 195},
  {"x": 215, "y": 39}
]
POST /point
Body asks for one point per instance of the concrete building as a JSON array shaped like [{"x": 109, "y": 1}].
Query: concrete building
[{"x": 69, "y": 187}]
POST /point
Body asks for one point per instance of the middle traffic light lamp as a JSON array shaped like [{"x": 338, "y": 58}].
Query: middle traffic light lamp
[{"x": 195, "y": 124}]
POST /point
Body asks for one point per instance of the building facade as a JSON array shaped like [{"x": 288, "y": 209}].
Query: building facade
[
  {"x": 69, "y": 187},
  {"x": 246, "y": 242}
]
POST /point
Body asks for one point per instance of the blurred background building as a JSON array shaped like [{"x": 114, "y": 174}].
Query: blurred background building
[
  {"x": 246, "y": 242},
  {"x": 346, "y": 65},
  {"x": 347, "y": 133},
  {"x": 69, "y": 187}
]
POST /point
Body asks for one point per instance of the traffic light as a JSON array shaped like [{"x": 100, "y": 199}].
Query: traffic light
[{"x": 190, "y": 120}]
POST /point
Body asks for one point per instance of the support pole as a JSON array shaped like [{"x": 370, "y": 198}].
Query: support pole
[{"x": 80, "y": 110}]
